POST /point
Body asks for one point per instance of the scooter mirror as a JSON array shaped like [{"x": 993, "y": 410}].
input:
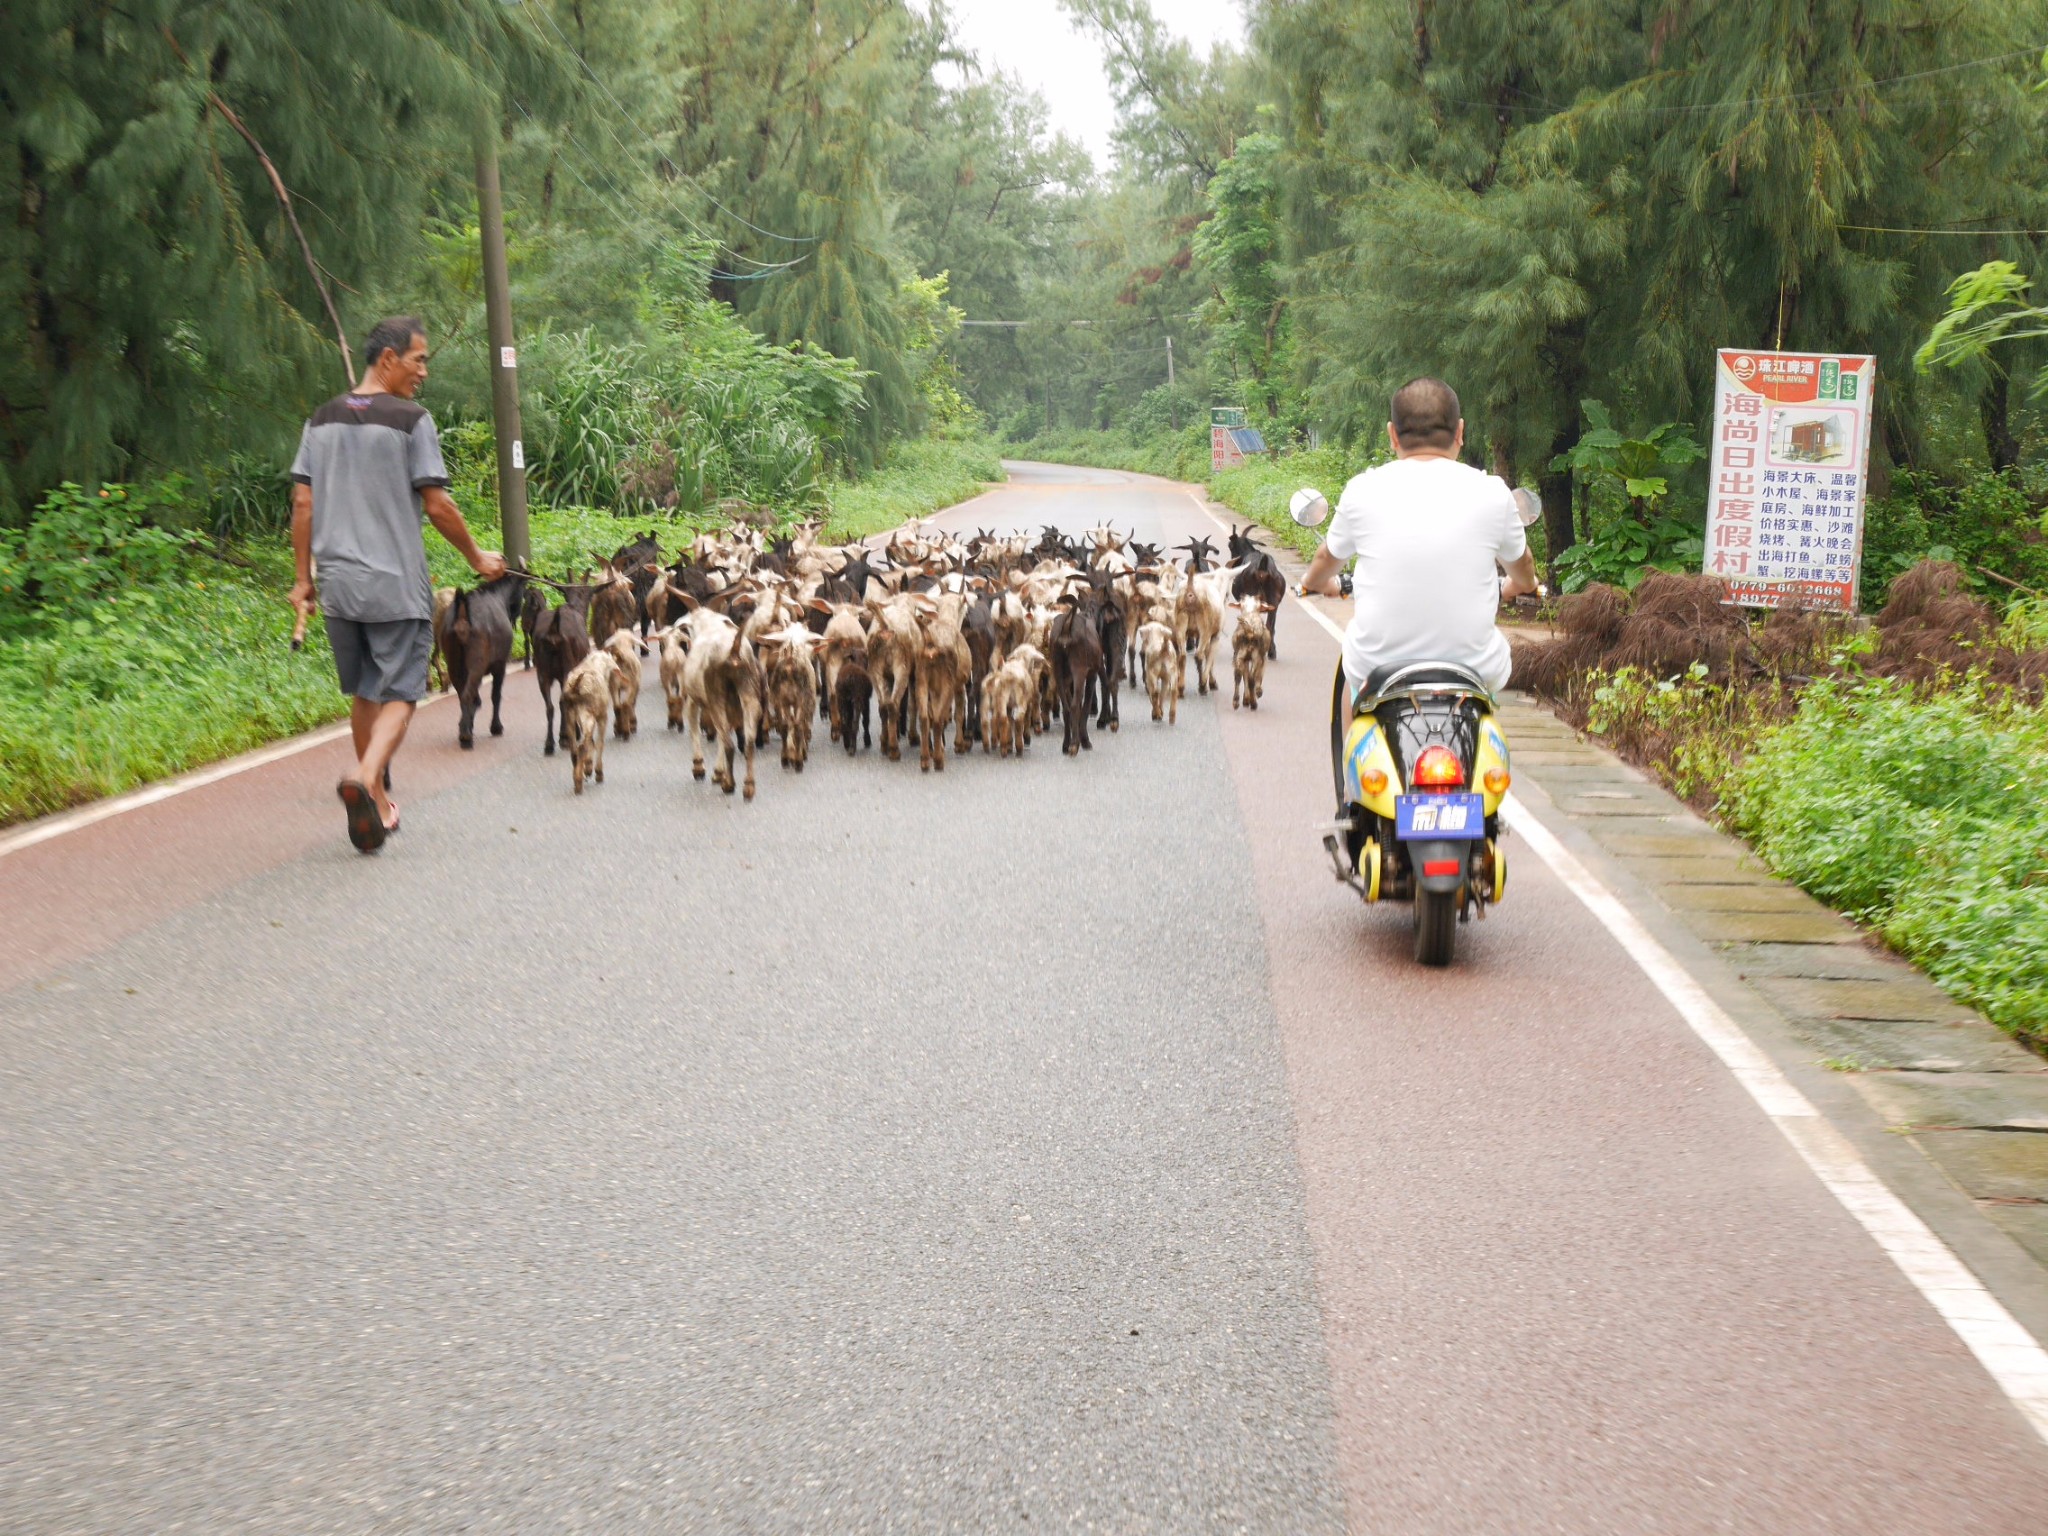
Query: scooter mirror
[
  {"x": 1528, "y": 506},
  {"x": 1309, "y": 507}
]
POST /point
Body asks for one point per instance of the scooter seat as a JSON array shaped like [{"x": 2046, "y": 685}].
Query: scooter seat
[{"x": 1399, "y": 676}]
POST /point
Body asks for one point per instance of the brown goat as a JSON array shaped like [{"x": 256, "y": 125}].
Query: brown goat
[
  {"x": 791, "y": 684},
  {"x": 893, "y": 644},
  {"x": 1250, "y": 644},
  {"x": 1165, "y": 670},
  {"x": 586, "y": 701},
  {"x": 624, "y": 649},
  {"x": 722, "y": 696},
  {"x": 943, "y": 668},
  {"x": 852, "y": 688}
]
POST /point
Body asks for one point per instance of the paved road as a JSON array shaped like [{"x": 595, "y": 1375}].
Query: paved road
[{"x": 1041, "y": 1145}]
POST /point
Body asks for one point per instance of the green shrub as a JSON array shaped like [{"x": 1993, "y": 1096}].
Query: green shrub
[
  {"x": 1920, "y": 814},
  {"x": 1985, "y": 522},
  {"x": 81, "y": 545}
]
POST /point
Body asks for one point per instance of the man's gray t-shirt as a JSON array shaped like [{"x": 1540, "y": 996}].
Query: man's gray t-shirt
[{"x": 367, "y": 458}]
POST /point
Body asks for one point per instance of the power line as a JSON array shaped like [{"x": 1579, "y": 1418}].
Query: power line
[
  {"x": 1540, "y": 104},
  {"x": 619, "y": 210},
  {"x": 1886, "y": 229},
  {"x": 597, "y": 80}
]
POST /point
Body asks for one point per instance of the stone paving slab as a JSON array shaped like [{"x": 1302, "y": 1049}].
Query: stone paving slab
[
  {"x": 1716, "y": 868},
  {"x": 1904, "y": 997},
  {"x": 1820, "y": 962},
  {"x": 1746, "y": 896},
  {"x": 1771, "y": 928},
  {"x": 1982, "y": 1101},
  {"x": 2024, "y": 1221},
  {"x": 1991, "y": 1165},
  {"x": 1633, "y": 840},
  {"x": 1615, "y": 804},
  {"x": 1889, "y": 1045}
]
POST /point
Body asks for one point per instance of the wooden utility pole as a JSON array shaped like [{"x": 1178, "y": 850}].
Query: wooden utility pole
[{"x": 504, "y": 355}]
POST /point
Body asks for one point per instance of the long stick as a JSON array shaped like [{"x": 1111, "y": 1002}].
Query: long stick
[{"x": 2016, "y": 586}]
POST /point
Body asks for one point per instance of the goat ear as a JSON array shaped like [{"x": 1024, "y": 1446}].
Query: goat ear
[{"x": 819, "y": 605}]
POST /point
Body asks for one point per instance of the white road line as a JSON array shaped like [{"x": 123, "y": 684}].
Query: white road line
[
  {"x": 72, "y": 821},
  {"x": 2013, "y": 1356}
]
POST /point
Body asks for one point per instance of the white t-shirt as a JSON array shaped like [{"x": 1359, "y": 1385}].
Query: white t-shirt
[{"x": 1427, "y": 533}]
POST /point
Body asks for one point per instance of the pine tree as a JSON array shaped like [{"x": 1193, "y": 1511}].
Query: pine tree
[{"x": 160, "y": 298}]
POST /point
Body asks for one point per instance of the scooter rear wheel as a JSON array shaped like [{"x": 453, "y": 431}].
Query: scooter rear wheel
[{"x": 1436, "y": 927}]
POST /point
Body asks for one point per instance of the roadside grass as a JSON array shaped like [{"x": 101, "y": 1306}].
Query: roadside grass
[
  {"x": 151, "y": 676},
  {"x": 1176, "y": 456},
  {"x": 921, "y": 477},
  {"x": 1911, "y": 808}
]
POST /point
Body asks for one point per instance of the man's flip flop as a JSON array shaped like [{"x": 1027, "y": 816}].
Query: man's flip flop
[{"x": 365, "y": 825}]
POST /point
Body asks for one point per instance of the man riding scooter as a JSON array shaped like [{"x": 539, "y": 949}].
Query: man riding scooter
[
  {"x": 1427, "y": 531},
  {"x": 1419, "y": 760}
]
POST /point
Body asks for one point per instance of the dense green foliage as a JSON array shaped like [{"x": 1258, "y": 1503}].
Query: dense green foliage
[{"x": 1917, "y": 813}]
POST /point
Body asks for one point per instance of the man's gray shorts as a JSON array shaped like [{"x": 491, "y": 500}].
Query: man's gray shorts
[{"x": 384, "y": 662}]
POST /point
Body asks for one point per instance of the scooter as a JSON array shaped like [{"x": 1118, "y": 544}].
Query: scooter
[{"x": 1421, "y": 766}]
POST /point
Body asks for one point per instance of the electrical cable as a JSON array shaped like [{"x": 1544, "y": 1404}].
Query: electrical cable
[
  {"x": 618, "y": 208},
  {"x": 1542, "y": 104},
  {"x": 598, "y": 81}
]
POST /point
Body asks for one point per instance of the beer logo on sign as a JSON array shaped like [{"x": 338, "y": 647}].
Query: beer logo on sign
[{"x": 1744, "y": 367}]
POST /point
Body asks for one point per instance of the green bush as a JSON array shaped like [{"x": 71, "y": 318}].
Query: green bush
[
  {"x": 80, "y": 546},
  {"x": 1918, "y": 813},
  {"x": 152, "y": 680},
  {"x": 1985, "y": 522}
]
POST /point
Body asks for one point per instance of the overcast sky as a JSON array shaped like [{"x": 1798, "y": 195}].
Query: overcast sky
[{"x": 1033, "y": 40}]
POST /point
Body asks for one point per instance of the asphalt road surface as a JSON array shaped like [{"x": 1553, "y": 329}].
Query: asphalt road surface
[{"x": 1041, "y": 1145}]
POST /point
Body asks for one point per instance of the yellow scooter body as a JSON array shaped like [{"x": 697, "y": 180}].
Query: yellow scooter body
[{"x": 1371, "y": 780}]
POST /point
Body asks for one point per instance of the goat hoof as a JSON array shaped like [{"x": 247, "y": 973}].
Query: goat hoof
[
  {"x": 548, "y": 749},
  {"x": 465, "y": 742},
  {"x": 497, "y": 728},
  {"x": 750, "y": 791},
  {"x": 697, "y": 774}
]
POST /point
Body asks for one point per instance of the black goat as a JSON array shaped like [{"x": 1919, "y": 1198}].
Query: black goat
[{"x": 475, "y": 637}]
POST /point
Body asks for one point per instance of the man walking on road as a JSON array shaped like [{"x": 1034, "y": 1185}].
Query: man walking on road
[{"x": 368, "y": 470}]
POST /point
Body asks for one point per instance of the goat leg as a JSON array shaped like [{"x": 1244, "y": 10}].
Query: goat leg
[{"x": 497, "y": 699}]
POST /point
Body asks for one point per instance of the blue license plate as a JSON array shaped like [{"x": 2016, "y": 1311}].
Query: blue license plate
[{"x": 1448, "y": 818}]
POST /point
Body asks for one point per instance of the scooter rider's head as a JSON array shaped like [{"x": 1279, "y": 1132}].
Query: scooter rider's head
[{"x": 1425, "y": 421}]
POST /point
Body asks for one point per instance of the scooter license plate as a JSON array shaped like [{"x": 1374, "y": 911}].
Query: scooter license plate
[{"x": 1439, "y": 818}]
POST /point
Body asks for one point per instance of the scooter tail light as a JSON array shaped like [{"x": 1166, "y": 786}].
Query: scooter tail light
[{"x": 1438, "y": 768}]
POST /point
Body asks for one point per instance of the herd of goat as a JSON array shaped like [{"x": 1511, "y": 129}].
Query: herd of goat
[{"x": 992, "y": 638}]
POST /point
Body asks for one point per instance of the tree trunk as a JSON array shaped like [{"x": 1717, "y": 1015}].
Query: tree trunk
[{"x": 1994, "y": 409}]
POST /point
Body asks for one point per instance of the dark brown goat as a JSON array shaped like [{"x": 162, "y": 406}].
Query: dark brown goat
[
  {"x": 474, "y": 635},
  {"x": 1076, "y": 661},
  {"x": 561, "y": 639}
]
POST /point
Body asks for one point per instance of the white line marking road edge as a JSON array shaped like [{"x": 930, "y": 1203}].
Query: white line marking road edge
[
  {"x": 72, "y": 821},
  {"x": 2015, "y": 1359}
]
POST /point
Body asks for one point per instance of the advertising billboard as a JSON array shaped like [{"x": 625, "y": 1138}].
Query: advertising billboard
[{"x": 1786, "y": 476}]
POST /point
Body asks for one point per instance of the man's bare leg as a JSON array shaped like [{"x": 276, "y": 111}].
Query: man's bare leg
[{"x": 378, "y": 729}]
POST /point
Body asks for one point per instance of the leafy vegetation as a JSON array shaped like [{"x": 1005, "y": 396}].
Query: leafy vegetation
[
  {"x": 1916, "y": 811},
  {"x": 1894, "y": 787}
]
